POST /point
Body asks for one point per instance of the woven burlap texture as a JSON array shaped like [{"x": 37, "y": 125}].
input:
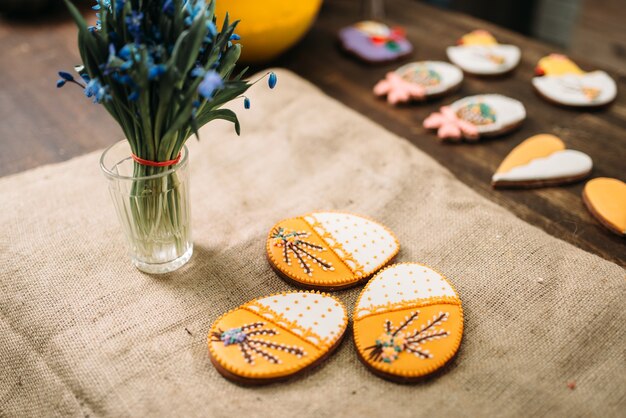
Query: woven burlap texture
[{"x": 82, "y": 332}]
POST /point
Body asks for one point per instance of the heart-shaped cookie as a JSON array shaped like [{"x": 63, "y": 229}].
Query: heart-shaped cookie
[
  {"x": 479, "y": 53},
  {"x": 606, "y": 200},
  {"x": 408, "y": 322},
  {"x": 329, "y": 250},
  {"x": 274, "y": 337},
  {"x": 541, "y": 160}
]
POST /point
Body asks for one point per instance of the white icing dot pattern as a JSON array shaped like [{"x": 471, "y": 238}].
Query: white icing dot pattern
[
  {"x": 320, "y": 313},
  {"x": 403, "y": 283},
  {"x": 369, "y": 243}
]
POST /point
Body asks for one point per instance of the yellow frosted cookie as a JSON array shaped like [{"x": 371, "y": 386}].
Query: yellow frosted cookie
[
  {"x": 274, "y": 337},
  {"x": 606, "y": 200},
  {"x": 408, "y": 322},
  {"x": 329, "y": 250}
]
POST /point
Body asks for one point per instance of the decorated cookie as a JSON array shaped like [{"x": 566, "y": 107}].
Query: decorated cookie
[
  {"x": 542, "y": 160},
  {"x": 277, "y": 336},
  {"x": 477, "y": 116},
  {"x": 408, "y": 322},
  {"x": 329, "y": 250},
  {"x": 561, "y": 81},
  {"x": 375, "y": 42},
  {"x": 479, "y": 53},
  {"x": 418, "y": 81},
  {"x": 606, "y": 200}
]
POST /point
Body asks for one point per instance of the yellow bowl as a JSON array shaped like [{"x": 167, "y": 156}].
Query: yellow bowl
[{"x": 269, "y": 27}]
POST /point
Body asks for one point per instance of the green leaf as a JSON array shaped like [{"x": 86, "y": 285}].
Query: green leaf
[{"x": 225, "y": 114}]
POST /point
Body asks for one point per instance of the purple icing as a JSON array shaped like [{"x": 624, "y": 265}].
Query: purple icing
[{"x": 360, "y": 44}]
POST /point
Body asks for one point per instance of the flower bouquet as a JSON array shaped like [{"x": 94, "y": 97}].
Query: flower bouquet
[{"x": 162, "y": 69}]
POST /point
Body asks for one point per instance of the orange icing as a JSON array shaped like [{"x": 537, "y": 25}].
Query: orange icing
[
  {"x": 608, "y": 198},
  {"x": 231, "y": 358},
  {"x": 340, "y": 274},
  {"x": 556, "y": 64},
  {"x": 478, "y": 37},
  {"x": 538, "y": 146},
  {"x": 371, "y": 328}
]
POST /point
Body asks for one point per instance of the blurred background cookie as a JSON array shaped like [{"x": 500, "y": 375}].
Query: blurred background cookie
[
  {"x": 560, "y": 80},
  {"x": 473, "y": 117},
  {"x": 375, "y": 42},
  {"x": 479, "y": 53},
  {"x": 418, "y": 81}
]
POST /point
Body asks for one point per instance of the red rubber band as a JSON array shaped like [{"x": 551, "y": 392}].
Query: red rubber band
[{"x": 156, "y": 163}]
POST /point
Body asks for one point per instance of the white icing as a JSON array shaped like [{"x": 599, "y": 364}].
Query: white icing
[
  {"x": 369, "y": 243},
  {"x": 565, "y": 89},
  {"x": 474, "y": 58},
  {"x": 451, "y": 75},
  {"x": 561, "y": 164},
  {"x": 306, "y": 309},
  {"x": 402, "y": 283},
  {"x": 508, "y": 111}
]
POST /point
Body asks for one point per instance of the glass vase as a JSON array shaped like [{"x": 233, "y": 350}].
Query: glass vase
[{"x": 152, "y": 205}]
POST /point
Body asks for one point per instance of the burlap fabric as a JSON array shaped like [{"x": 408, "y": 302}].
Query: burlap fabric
[{"x": 82, "y": 332}]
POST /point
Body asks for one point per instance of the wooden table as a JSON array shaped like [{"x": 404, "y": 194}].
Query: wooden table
[{"x": 41, "y": 125}]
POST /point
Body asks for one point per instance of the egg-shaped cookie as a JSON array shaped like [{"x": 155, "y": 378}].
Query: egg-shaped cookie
[
  {"x": 418, "y": 81},
  {"x": 277, "y": 336},
  {"x": 479, "y": 53},
  {"x": 408, "y": 322},
  {"x": 329, "y": 250},
  {"x": 559, "y": 80},
  {"x": 473, "y": 117}
]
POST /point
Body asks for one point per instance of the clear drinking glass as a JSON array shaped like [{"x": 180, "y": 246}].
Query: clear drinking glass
[{"x": 152, "y": 205}]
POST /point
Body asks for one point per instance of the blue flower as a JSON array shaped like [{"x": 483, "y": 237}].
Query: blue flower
[
  {"x": 96, "y": 90},
  {"x": 211, "y": 82},
  {"x": 66, "y": 76},
  {"x": 60, "y": 83},
  {"x": 246, "y": 103},
  {"x": 271, "y": 81},
  {"x": 197, "y": 72},
  {"x": 119, "y": 6},
  {"x": 194, "y": 10},
  {"x": 235, "y": 37},
  {"x": 168, "y": 7},
  {"x": 212, "y": 29},
  {"x": 156, "y": 71},
  {"x": 133, "y": 24},
  {"x": 105, "y": 3},
  {"x": 133, "y": 96}
]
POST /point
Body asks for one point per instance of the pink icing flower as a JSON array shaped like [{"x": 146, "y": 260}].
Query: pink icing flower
[
  {"x": 398, "y": 89},
  {"x": 449, "y": 125}
]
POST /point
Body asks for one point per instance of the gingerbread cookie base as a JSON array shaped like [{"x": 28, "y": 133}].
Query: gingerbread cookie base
[
  {"x": 408, "y": 323},
  {"x": 329, "y": 250},
  {"x": 276, "y": 337}
]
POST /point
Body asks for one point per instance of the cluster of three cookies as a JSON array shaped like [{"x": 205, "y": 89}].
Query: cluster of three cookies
[{"x": 407, "y": 322}]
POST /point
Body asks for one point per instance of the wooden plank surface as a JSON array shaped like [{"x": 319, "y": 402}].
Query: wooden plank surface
[{"x": 41, "y": 125}]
